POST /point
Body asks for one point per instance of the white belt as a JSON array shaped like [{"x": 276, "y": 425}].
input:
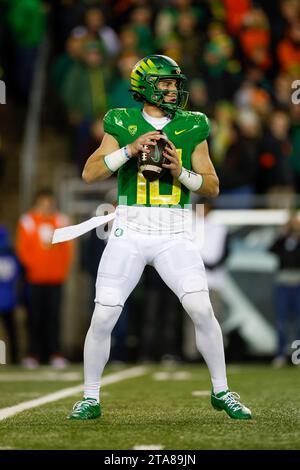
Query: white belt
[{"x": 73, "y": 231}]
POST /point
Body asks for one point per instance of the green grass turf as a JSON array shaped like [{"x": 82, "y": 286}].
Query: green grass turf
[
  {"x": 27, "y": 385},
  {"x": 146, "y": 411}
]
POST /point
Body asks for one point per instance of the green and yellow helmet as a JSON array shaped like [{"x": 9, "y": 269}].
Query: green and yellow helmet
[{"x": 146, "y": 75}]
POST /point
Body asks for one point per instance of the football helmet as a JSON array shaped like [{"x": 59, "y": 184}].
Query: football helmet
[{"x": 146, "y": 75}]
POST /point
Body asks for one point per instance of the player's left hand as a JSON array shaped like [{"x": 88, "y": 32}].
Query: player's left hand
[{"x": 174, "y": 164}]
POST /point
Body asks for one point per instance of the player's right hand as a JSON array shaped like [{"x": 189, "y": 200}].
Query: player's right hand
[{"x": 150, "y": 138}]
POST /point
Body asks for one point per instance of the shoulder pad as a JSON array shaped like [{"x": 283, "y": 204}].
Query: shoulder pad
[
  {"x": 115, "y": 120},
  {"x": 199, "y": 123}
]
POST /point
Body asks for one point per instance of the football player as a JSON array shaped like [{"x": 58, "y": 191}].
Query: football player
[{"x": 150, "y": 223}]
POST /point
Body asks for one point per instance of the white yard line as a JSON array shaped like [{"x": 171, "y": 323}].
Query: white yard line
[
  {"x": 168, "y": 375},
  {"x": 42, "y": 376},
  {"x": 201, "y": 393},
  {"x": 67, "y": 392},
  {"x": 148, "y": 447}
]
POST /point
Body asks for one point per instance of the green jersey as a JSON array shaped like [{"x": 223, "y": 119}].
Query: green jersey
[{"x": 186, "y": 130}]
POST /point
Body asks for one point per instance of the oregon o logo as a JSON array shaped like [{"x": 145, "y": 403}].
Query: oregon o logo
[{"x": 119, "y": 232}]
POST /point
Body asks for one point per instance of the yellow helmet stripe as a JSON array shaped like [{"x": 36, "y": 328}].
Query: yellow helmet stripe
[
  {"x": 135, "y": 75},
  {"x": 144, "y": 66},
  {"x": 152, "y": 65}
]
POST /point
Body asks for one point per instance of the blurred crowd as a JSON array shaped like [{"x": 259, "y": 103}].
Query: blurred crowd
[{"x": 241, "y": 59}]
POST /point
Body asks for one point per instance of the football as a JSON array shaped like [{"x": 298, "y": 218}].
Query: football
[{"x": 150, "y": 164}]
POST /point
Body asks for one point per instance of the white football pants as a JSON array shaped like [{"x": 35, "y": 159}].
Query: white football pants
[{"x": 178, "y": 262}]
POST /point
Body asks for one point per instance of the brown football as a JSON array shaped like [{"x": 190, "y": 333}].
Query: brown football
[{"x": 150, "y": 164}]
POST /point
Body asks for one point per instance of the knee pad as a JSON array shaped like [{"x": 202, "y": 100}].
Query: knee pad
[
  {"x": 198, "y": 306},
  {"x": 104, "y": 319},
  {"x": 109, "y": 296},
  {"x": 190, "y": 285}
]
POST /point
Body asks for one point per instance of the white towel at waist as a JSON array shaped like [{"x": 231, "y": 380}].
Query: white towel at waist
[{"x": 73, "y": 231}]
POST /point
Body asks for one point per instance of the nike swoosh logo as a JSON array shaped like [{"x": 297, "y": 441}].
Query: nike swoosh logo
[{"x": 180, "y": 132}]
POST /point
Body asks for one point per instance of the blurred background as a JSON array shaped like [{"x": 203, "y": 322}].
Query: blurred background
[{"x": 63, "y": 64}]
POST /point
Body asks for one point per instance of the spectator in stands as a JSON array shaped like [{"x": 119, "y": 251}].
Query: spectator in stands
[
  {"x": 238, "y": 170},
  {"x": 85, "y": 94},
  {"x": 171, "y": 47},
  {"x": 63, "y": 16},
  {"x": 140, "y": 22},
  {"x": 254, "y": 93},
  {"x": 66, "y": 61},
  {"x": 46, "y": 269},
  {"x": 166, "y": 20},
  {"x": 257, "y": 76},
  {"x": 235, "y": 13},
  {"x": 220, "y": 72},
  {"x": 288, "y": 50},
  {"x": 222, "y": 131},
  {"x": 198, "y": 99},
  {"x": 255, "y": 38},
  {"x": 259, "y": 101},
  {"x": 129, "y": 40},
  {"x": 190, "y": 39},
  {"x": 85, "y": 88},
  {"x": 295, "y": 141},
  {"x": 289, "y": 11},
  {"x": 27, "y": 21},
  {"x": 275, "y": 176},
  {"x": 282, "y": 91},
  {"x": 119, "y": 96},
  {"x": 10, "y": 271},
  {"x": 95, "y": 28},
  {"x": 287, "y": 287}
]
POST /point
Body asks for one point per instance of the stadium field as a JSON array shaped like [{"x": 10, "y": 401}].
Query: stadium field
[{"x": 166, "y": 407}]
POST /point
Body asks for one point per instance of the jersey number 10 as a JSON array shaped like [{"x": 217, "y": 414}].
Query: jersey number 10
[{"x": 154, "y": 196}]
